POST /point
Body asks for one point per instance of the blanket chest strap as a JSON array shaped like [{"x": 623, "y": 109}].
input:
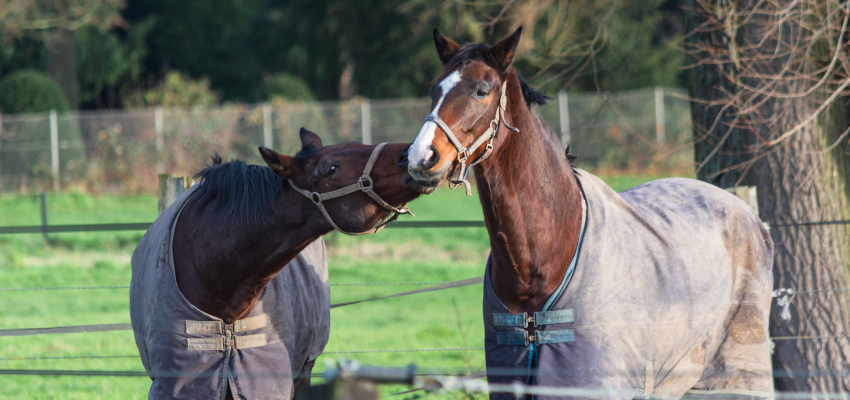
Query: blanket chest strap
[
  {"x": 201, "y": 344},
  {"x": 512, "y": 338},
  {"x": 505, "y": 319},
  {"x": 556, "y": 336},
  {"x": 554, "y": 317},
  {"x": 248, "y": 341},
  {"x": 247, "y": 324}
]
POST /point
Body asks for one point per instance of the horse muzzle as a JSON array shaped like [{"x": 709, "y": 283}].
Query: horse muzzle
[
  {"x": 408, "y": 179},
  {"x": 428, "y": 172}
]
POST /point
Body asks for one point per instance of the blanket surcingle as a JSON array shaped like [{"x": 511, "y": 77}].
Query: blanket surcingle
[
  {"x": 190, "y": 354},
  {"x": 668, "y": 295}
]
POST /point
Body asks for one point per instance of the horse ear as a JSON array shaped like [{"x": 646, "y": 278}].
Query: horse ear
[
  {"x": 282, "y": 165},
  {"x": 446, "y": 48},
  {"x": 505, "y": 50},
  {"x": 310, "y": 139}
]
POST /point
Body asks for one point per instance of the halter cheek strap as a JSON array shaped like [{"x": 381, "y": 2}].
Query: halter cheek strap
[
  {"x": 463, "y": 153},
  {"x": 365, "y": 185}
]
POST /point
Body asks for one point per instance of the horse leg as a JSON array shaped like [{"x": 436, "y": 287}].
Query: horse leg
[{"x": 303, "y": 380}]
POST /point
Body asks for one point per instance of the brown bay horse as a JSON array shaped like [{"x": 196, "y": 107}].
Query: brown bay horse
[
  {"x": 230, "y": 295},
  {"x": 659, "y": 291}
]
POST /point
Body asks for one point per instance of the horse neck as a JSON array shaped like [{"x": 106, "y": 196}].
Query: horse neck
[
  {"x": 230, "y": 266},
  {"x": 532, "y": 208}
]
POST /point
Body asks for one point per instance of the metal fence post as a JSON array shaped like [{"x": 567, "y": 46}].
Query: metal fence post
[
  {"x": 564, "y": 114},
  {"x": 44, "y": 215},
  {"x": 366, "y": 120},
  {"x": 157, "y": 122},
  {"x": 659, "y": 115},
  {"x": 54, "y": 148},
  {"x": 267, "y": 124}
]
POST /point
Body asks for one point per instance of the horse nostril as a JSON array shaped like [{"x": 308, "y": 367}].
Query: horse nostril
[{"x": 433, "y": 159}]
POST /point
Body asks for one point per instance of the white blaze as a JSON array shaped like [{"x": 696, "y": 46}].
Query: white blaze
[{"x": 421, "y": 148}]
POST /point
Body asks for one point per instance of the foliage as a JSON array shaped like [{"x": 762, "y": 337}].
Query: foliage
[
  {"x": 37, "y": 17},
  {"x": 371, "y": 48},
  {"x": 110, "y": 62},
  {"x": 28, "y": 91},
  {"x": 202, "y": 38},
  {"x": 176, "y": 90},
  {"x": 603, "y": 45},
  {"x": 21, "y": 53},
  {"x": 288, "y": 87}
]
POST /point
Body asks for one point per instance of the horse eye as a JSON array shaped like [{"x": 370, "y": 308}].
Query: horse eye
[
  {"x": 481, "y": 93},
  {"x": 332, "y": 170}
]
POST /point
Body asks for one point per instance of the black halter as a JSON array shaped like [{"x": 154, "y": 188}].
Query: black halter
[{"x": 463, "y": 153}]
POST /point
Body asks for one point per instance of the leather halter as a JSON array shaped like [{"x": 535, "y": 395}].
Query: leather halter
[
  {"x": 463, "y": 153},
  {"x": 365, "y": 185}
]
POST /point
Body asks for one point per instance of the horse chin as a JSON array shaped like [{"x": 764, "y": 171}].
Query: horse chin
[{"x": 419, "y": 186}]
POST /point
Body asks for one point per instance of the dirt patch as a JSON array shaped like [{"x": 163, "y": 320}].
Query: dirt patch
[
  {"x": 698, "y": 354},
  {"x": 745, "y": 324}
]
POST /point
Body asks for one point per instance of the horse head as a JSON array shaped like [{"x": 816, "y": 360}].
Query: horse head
[
  {"x": 468, "y": 101},
  {"x": 338, "y": 180}
]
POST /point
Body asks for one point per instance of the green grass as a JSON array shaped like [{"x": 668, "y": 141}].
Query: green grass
[{"x": 444, "y": 319}]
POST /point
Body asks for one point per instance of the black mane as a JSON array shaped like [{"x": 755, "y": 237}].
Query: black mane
[
  {"x": 239, "y": 193},
  {"x": 474, "y": 51}
]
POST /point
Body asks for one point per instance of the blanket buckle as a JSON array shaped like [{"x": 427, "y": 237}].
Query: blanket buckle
[{"x": 228, "y": 335}]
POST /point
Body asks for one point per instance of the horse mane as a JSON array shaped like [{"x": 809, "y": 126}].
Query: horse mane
[
  {"x": 473, "y": 51},
  {"x": 239, "y": 193}
]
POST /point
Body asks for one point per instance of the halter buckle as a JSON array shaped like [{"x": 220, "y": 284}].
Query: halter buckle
[
  {"x": 316, "y": 198},
  {"x": 463, "y": 155},
  {"x": 366, "y": 183}
]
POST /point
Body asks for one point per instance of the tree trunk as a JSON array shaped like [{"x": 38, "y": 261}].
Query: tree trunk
[
  {"x": 797, "y": 180},
  {"x": 712, "y": 124},
  {"x": 797, "y": 183},
  {"x": 62, "y": 64}
]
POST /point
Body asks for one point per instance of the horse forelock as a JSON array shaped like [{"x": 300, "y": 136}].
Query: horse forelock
[
  {"x": 480, "y": 51},
  {"x": 237, "y": 192}
]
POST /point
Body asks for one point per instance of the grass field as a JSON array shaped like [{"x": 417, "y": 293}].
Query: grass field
[{"x": 444, "y": 319}]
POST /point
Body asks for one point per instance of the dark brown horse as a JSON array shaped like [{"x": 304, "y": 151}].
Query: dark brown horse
[
  {"x": 239, "y": 231},
  {"x": 660, "y": 290},
  {"x": 210, "y": 297}
]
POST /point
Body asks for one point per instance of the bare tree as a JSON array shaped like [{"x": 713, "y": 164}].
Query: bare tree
[
  {"x": 27, "y": 17},
  {"x": 769, "y": 82}
]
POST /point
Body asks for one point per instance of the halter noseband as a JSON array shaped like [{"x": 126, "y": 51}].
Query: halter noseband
[
  {"x": 464, "y": 152},
  {"x": 365, "y": 185}
]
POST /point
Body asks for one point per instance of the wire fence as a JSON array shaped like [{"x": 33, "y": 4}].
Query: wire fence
[{"x": 124, "y": 150}]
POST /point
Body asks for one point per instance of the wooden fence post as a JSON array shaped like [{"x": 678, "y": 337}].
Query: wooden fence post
[
  {"x": 747, "y": 193},
  {"x": 170, "y": 188}
]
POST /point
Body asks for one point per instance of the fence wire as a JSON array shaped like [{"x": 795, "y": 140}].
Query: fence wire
[{"x": 124, "y": 150}]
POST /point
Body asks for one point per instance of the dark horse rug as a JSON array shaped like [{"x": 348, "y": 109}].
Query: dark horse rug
[
  {"x": 190, "y": 354},
  {"x": 668, "y": 295}
]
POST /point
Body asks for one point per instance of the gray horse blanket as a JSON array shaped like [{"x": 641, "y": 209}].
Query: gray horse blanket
[
  {"x": 669, "y": 294},
  {"x": 190, "y": 354}
]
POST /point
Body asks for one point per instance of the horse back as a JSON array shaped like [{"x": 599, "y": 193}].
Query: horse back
[{"x": 676, "y": 277}]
